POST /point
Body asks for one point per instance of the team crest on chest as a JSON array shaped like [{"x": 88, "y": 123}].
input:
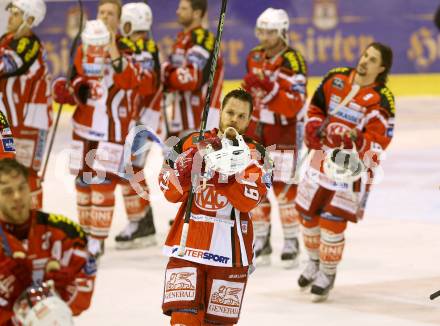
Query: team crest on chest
[{"x": 210, "y": 200}]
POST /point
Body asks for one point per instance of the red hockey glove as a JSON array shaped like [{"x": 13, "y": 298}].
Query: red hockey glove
[
  {"x": 183, "y": 167},
  {"x": 16, "y": 277},
  {"x": 347, "y": 139},
  {"x": 313, "y": 138},
  {"x": 257, "y": 86},
  {"x": 62, "y": 278},
  {"x": 61, "y": 94}
]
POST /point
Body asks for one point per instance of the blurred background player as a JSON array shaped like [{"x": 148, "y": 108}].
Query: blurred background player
[
  {"x": 276, "y": 78},
  {"x": 186, "y": 73},
  {"x": 206, "y": 285},
  {"x": 360, "y": 130},
  {"x": 137, "y": 40},
  {"x": 7, "y": 146},
  {"x": 24, "y": 84},
  {"x": 104, "y": 80},
  {"x": 38, "y": 246}
]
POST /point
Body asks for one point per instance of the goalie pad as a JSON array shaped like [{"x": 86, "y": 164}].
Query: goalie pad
[{"x": 230, "y": 159}]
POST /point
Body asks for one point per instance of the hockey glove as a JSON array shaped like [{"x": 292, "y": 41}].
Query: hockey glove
[
  {"x": 313, "y": 138},
  {"x": 347, "y": 139},
  {"x": 61, "y": 94},
  {"x": 183, "y": 167},
  {"x": 61, "y": 276},
  {"x": 257, "y": 86},
  {"x": 16, "y": 277}
]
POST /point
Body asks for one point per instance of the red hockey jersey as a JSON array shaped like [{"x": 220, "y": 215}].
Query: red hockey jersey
[
  {"x": 288, "y": 70},
  {"x": 54, "y": 237},
  {"x": 220, "y": 228},
  {"x": 186, "y": 77},
  {"x": 7, "y": 148}
]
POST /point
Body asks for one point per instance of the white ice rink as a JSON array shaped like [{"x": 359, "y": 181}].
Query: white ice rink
[{"x": 391, "y": 262}]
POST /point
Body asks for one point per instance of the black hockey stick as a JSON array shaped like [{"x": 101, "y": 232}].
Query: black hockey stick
[
  {"x": 5, "y": 243},
  {"x": 69, "y": 78},
  {"x": 435, "y": 295},
  {"x": 221, "y": 22}
]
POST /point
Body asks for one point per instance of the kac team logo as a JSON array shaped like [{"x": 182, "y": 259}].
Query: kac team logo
[{"x": 210, "y": 200}]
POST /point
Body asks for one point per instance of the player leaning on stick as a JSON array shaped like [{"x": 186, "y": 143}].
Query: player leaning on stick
[
  {"x": 36, "y": 247},
  {"x": 276, "y": 77},
  {"x": 336, "y": 184},
  {"x": 24, "y": 90},
  {"x": 206, "y": 285},
  {"x": 138, "y": 43}
]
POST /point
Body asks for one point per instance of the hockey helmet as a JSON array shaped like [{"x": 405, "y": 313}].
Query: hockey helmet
[
  {"x": 95, "y": 40},
  {"x": 231, "y": 158},
  {"x": 139, "y": 17},
  {"x": 343, "y": 165},
  {"x": 31, "y": 8},
  {"x": 274, "y": 19},
  {"x": 39, "y": 305}
]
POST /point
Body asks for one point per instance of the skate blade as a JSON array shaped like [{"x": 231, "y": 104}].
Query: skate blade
[
  {"x": 290, "y": 263},
  {"x": 263, "y": 260},
  {"x": 137, "y": 243},
  {"x": 319, "y": 298}
]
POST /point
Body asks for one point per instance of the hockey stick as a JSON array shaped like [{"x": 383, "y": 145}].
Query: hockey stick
[
  {"x": 353, "y": 92},
  {"x": 435, "y": 295},
  {"x": 221, "y": 22},
  {"x": 5, "y": 243},
  {"x": 69, "y": 78}
]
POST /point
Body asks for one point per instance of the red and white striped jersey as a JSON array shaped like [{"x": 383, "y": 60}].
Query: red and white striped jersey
[
  {"x": 288, "y": 70},
  {"x": 105, "y": 109},
  {"x": 186, "y": 78},
  {"x": 24, "y": 83},
  {"x": 147, "y": 101},
  {"x": 220, "y": 228}
]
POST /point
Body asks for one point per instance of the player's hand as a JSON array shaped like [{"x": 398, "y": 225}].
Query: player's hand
[
  {"x": 15, "y": 272},
  {"x": 183, "y": 167},
  {"x": 256, "y": 85},
  {"x": 346, "y": 139},
  {"x": 62, "y": 276},
  {"x": 61, "y": 94},
  {"x": 312, "y": 137}
]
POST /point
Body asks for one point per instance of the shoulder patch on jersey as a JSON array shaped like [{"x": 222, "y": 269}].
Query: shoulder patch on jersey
[
  {"x": 3, "y": 122},
  {"x": 387, "y": 100},
  {"x": 295, "y": 61},
  {"x": 126, "y": 44},
  {"x": 203, "y": 38},
  {"x": 27, "y": 48},
  {"x": 70, "y": 228}
]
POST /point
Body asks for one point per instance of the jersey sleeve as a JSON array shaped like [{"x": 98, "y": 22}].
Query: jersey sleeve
[
  {"x": 196, "y": 71},
  {"x": 247, "y": 190},
  {"x": 378, "y": 125},
  {"x": 289, "y": 93},
  {"x": 17, "y": 57},
  {"x": 148, "y": 67},
  {"x": 69, "y": 244}
]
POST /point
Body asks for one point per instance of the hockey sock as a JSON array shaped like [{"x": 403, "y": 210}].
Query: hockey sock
[
  {"x": 103, "y": 203},
  {"x": 135, "y": 205},
  {"x": 330, "y": 251},
  {"x": 261, "y": 219},
  {"x": 83, "y": 203},
  {"x": 289, "y": 220},
  {"x": 311, "y": 238}
]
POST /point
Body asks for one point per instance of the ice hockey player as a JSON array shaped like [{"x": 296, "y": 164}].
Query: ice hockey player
[
  {"x": 185, "y": 74},
  {"x": 277, "y": 78},
  {"x": 104, "y": 80},
  {"x": 24, "y": 85},
  {"x": 137, "y": 40},
  {"x": 348, "y": 141},
  {"x": 37, "y": 247},
  {"x": 206, "y": 285}
]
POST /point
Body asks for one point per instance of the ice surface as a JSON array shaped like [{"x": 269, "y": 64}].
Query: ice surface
[{"x": 391, "y": 262}]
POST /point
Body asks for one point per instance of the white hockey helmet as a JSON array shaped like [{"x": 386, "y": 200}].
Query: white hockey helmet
[
  {"x": 343, "y": 165},
  {"x": 230, "y": 159},
  {"x": 95, "y": 33},
  {"x": 31, "y": 8},
  {"x": 274, "y": 19},
  {"x": 39, "y": 305},
  {"x": 138, "y": 15}
]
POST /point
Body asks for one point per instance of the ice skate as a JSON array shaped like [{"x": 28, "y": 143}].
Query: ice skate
[
  {"x": 139, "y": 234},
  {"x": 308, "y": 275},
  {"x": 290, "y": 253},
  {"x": 263, "y": 250},
  {"x": 95, "y": 248},
  {"x": 321, "y": 286}
]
